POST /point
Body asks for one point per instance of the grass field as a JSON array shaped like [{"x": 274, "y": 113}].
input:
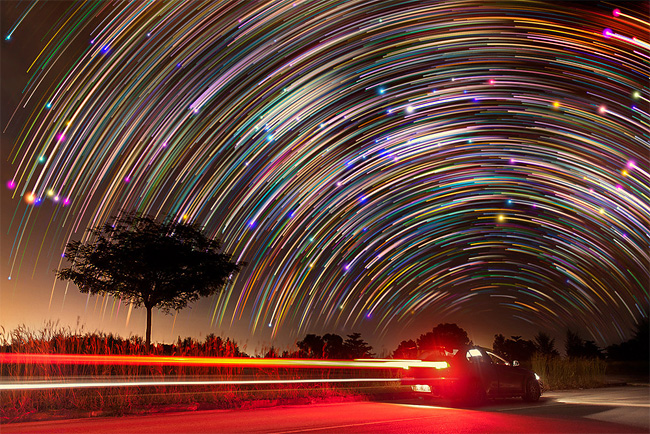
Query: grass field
[
  {"x": 569, "y": 373},
  {"x": 19, "y": 405}
]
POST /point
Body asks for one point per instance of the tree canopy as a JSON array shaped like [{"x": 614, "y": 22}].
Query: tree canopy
[
  {"x": 636, "y": 348},
  {"x": 145, "y": 262},
  {"x": 545, "y": 345},
  {"x": 443, "y": 335},
  {"x": 406, "y": 350},
  {"x": 515, "y": 348},
  {"x": 311, "y": 346},
  {"x": 357, "y": 348},
  {"x": 575, "y": 346},
  {"x": 332, "y": 346}
]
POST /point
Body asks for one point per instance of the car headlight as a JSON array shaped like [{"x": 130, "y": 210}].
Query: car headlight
[{"x": 537, "y": 377}]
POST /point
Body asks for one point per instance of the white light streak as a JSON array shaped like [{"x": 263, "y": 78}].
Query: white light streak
[{"x": 34, "y": 385}]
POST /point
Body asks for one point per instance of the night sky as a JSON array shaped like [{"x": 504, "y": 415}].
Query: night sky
[{"x": 381, "y": 166}]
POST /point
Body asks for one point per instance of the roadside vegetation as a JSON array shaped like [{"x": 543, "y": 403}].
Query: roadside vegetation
[
  {"x": 22, "y": 405},
  {"x": 584, "y": 365},
  {"x": 569, "y": 373}
]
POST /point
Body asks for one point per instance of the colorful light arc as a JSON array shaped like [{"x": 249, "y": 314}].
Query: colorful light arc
[{"x": 370, "y": 161}]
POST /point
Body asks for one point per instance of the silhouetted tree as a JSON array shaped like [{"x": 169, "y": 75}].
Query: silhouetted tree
[
  {"x": 514, "y": 348},
  {"x": 334, "y": 348},
  {"x": 406, "y": 350},
  {"x": 311, "y": 346},
  {"x": 575, "y": 346},
  {"x": 636, "y": 348},
  {"x": 591, "y": 351},
  {"x": 545, "y": 345},
  {"x": 357, "y": 348},
  {"x": 148, "y": 263},
  {"x": 499, "y": 345},
  {"x": 446, "y": 335}
]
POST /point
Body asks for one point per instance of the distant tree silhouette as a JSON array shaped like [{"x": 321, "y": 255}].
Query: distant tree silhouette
[
  {"x": 406, "y": 350},
  {"x": 148, "y": 263},
  {"x": 590, "y": 350},
  {"x": 545, "y": 345},
  {"x": 514, "y": 348},
  {"x": 446, "y": 335},
  {"x": 311, "y": 347},
  {"x": 357, "y": 348},
  {"x": 575, "y": 346},
  {"x": 499, "y": 345},
  {"x": 636, "y": 348},
  {"x": 334, "y": 348}
]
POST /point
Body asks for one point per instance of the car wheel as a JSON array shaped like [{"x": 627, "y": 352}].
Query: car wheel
[
  {"x": 474, "y": 394},
  {"x": 532, "y": 391}
]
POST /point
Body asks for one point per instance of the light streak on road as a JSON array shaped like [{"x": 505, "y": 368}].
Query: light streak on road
[
  {"x": 604, "y": 403},
  {"x": 32, "y": 385},
  {"x": 129, "y": 360},
  {"x": 85, "y": 359}
]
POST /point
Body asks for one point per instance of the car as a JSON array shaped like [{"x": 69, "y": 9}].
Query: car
[{"x": 470, "y": 375}]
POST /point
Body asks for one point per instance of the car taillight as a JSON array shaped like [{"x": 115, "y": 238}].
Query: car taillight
[
  {"x": 437, "y": 365},
  {"x": 408, "y": 364}
]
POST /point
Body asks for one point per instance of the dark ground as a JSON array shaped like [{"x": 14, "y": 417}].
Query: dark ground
[{"x": 605, "y": 410}]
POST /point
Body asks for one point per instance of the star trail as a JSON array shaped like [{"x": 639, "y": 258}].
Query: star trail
[{"x": 377, "y": 164}]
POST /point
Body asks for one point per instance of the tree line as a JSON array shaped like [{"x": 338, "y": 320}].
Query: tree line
[
  {"x": 328, "y": 346},
  {"x": 517, "y": 348}
]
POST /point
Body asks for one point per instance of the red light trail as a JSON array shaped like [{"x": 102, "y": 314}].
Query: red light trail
[
  {"x": 84, "y": 359},
  {"x": 75, "y": 359}
]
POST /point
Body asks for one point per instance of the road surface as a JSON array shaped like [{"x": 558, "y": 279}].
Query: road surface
[{"x": 606, "y": 410}]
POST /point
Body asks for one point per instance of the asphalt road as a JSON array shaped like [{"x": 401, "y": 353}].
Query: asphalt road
[{"x": 606, "y": 410}]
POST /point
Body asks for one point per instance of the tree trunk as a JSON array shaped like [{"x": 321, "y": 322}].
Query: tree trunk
[{"x": 148, "y": 328}]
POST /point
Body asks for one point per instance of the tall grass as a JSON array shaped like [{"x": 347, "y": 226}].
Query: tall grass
[
  {"x": 569, "y": 373},
  {"x": 22, "y": 404}
]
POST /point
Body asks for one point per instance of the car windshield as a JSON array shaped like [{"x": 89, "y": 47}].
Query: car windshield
[{"x": 496, "y": 359}]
